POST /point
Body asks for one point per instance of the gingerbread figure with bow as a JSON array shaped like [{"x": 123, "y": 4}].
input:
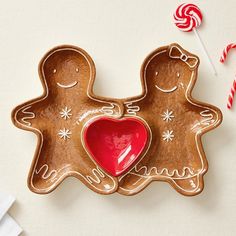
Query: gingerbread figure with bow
[{"x": 177, "y": 122}]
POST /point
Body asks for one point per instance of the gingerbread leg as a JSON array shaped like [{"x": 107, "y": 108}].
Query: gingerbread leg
[
  {"x": 99, "y": 181},
  {"x": 133, "y": 183},
  {"x": 189, "y": 186},
  {"x": 48, "y": 167}
]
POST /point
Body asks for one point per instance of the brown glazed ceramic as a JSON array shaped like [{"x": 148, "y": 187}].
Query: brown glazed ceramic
[{"x": 165, "y": 117}]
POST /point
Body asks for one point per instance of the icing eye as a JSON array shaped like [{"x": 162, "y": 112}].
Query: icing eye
[
  {"x": 156, "y": 73},
  {"x": 178, "y": 75},
  {"x": 54, "y": 71},
  {"x": 77, "y": 70}
]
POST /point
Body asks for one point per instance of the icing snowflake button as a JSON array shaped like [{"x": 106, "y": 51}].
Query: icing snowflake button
[{"x": 118, "y": 145}]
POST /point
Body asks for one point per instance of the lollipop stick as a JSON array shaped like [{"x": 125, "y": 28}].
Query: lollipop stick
[{"x": 205, "y": 51}]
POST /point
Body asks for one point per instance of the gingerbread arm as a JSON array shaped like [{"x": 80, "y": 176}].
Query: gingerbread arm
[
  {"x": 111, "y": 107},
  {"x": 25, "y": 115},
  {"x": 207, "y": 116},
  {"x": 131, "y": 108}
]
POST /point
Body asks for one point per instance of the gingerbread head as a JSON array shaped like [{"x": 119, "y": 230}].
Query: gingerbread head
[
  {"x": 168, "y": 70},
  {"x": 67, "y": 68}
]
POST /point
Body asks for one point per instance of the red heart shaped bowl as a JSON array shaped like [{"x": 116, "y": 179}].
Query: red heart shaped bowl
[{"x": 115, "y": 144}]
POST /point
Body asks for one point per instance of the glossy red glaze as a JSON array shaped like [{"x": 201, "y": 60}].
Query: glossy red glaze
[{"x": 115, "y": 144}]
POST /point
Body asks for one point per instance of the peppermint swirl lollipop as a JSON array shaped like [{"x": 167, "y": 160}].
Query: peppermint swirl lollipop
[{"x": 187, "y": 17}]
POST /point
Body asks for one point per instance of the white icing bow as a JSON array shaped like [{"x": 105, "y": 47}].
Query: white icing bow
[{"x": 177, "y": 53}]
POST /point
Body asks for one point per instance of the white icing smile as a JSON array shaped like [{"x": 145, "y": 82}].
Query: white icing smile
[
  {"x": 68, "y": 85},
  {"x": 166, "y": 90}
]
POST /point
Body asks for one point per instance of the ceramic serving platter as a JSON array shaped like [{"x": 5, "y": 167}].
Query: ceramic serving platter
[{"x": 118, "y": 145}]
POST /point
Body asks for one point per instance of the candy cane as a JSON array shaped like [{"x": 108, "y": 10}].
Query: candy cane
[
  {"x": 226, "y": 51},
  {"x": 233, "y": 88},
  {"x": 231, "y": 95}
]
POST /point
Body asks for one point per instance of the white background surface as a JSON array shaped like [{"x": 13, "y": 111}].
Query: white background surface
[{"x": 118, "y": 35}]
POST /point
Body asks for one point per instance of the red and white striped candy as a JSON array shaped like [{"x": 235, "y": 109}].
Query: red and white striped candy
[
  {"x": 187, "y": 17},
  {"x": 226, "y": 51},
  {"x": 231, "y": 95}
]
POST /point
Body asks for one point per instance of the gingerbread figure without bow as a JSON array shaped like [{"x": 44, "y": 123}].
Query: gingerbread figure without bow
[
  {"x": 177, "y": 122},
  {"x": 57, "y": 117}
]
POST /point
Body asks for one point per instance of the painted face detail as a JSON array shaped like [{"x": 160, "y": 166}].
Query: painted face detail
[
  {"x": 67, "y": 86},
  {"x": 64, "y": 69},
  {"x": 167, "y": 90},
  {"x": 170, "y": 90},
  {"x": 170, "y": 70}
]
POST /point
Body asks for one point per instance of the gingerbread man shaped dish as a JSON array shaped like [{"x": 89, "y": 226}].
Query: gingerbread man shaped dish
[
  {"x": 57, "y": 117},
  {"x": 177, "y": 122},
  {"x": 118, "y": 144}
]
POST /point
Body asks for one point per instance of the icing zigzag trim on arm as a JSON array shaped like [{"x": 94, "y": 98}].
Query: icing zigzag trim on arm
[
  {"x": 132, "y": 109},
  {"x": 207, "y": 121},
  {"x": 108, "y": 109},
  {"x": 32, "y": 116},
  {"x": 46, "y": 173}
]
